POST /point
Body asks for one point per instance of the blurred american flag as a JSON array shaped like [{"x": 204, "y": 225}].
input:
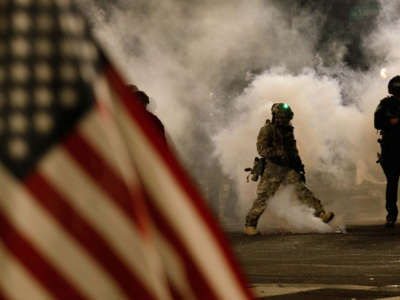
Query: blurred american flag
[{"x": 93, "y": 205}]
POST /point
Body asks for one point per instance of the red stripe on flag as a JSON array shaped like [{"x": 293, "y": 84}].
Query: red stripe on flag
[
  {"x": 198, "y": 283},
  {"x": 71, "y": 221},
  {"x": 2, "y": 296},
  {"x": 40, "y": 269},
  {"x": 136, "y": 112},
  {"x": 129, "y": 200},
  {"x": 174, "y": 292}
]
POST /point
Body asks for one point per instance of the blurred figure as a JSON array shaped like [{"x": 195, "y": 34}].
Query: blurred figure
[
  {"x": 144, "y": 99},
  {"x": 386, "y": 120},
  {"x": 133, "y": 88},
  {"x": 281, "y": 166}
]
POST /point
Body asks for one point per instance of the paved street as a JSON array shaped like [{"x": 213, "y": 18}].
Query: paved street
[{"x": 363, "y": 263}]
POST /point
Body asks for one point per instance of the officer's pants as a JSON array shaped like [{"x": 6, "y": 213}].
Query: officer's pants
[
  {"x": 273, "y": 178},
  {"x": 391, "y": 168}
]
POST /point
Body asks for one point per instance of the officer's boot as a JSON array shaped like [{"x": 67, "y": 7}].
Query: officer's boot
[
  {"x": 250, "y": 230},
  {"x": 390, "y": 221},
  {"x": 389, "y": 224},
  {"x": 327, "y": 216}
]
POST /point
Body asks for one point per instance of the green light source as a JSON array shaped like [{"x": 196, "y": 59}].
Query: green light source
[{"x": 285, "y": 106}]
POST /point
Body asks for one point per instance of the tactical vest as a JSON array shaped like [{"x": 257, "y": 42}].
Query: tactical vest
[{"x": 280, "y": 144}]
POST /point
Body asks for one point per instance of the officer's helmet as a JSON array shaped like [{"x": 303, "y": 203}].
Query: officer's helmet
[
  {"x": 281, "y": 111},
  {"x": 394, "y": 86}
]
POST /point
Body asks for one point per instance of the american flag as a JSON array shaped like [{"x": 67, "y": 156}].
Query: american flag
[{"x": 93, "y": 205}]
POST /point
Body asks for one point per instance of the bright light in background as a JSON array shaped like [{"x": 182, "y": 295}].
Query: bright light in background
[{"x": 383, "y": 73}]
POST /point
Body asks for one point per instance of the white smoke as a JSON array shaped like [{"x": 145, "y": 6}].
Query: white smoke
[
  {"x": 180, "y": 52},
  {"x": 191, "y": 59},
  {"x": 285, "y": 212},
  {"x": 333, "y": 139}
]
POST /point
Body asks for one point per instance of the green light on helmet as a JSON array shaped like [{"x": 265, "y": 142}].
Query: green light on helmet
[{"x": 285, "y": 106}]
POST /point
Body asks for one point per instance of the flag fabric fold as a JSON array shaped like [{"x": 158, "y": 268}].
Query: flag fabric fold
[{"x": 93, "y": 204}]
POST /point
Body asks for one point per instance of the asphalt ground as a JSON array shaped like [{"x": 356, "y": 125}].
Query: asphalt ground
[{"x": 363, "y": 263}]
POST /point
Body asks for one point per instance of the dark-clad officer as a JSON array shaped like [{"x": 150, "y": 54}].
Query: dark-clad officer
[{"x": 386, "y": 120}]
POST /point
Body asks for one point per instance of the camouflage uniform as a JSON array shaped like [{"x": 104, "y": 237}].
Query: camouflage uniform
[{"x": 277, "y": 145}]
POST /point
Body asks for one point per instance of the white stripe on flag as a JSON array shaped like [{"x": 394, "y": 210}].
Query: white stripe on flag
[
  {"x": 103, "y": 216},
  {"x": 59, "y": 248},
  {"x": 175, "y": 268},
  {"x": 102, "y": 133},
  {"x": 167, "y": 194},
  {"x": 15, "y": 282}
]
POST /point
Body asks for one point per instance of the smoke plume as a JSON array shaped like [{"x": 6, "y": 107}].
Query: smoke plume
[{"x": 214, "y": 69}]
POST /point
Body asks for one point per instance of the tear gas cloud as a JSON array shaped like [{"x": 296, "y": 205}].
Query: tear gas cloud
[
  {"x": 214, "y": 68},
  {"x": 286, "y": 213}
]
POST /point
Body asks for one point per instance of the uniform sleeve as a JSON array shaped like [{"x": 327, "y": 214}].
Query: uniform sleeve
[{"x": 265, "y": 140}]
